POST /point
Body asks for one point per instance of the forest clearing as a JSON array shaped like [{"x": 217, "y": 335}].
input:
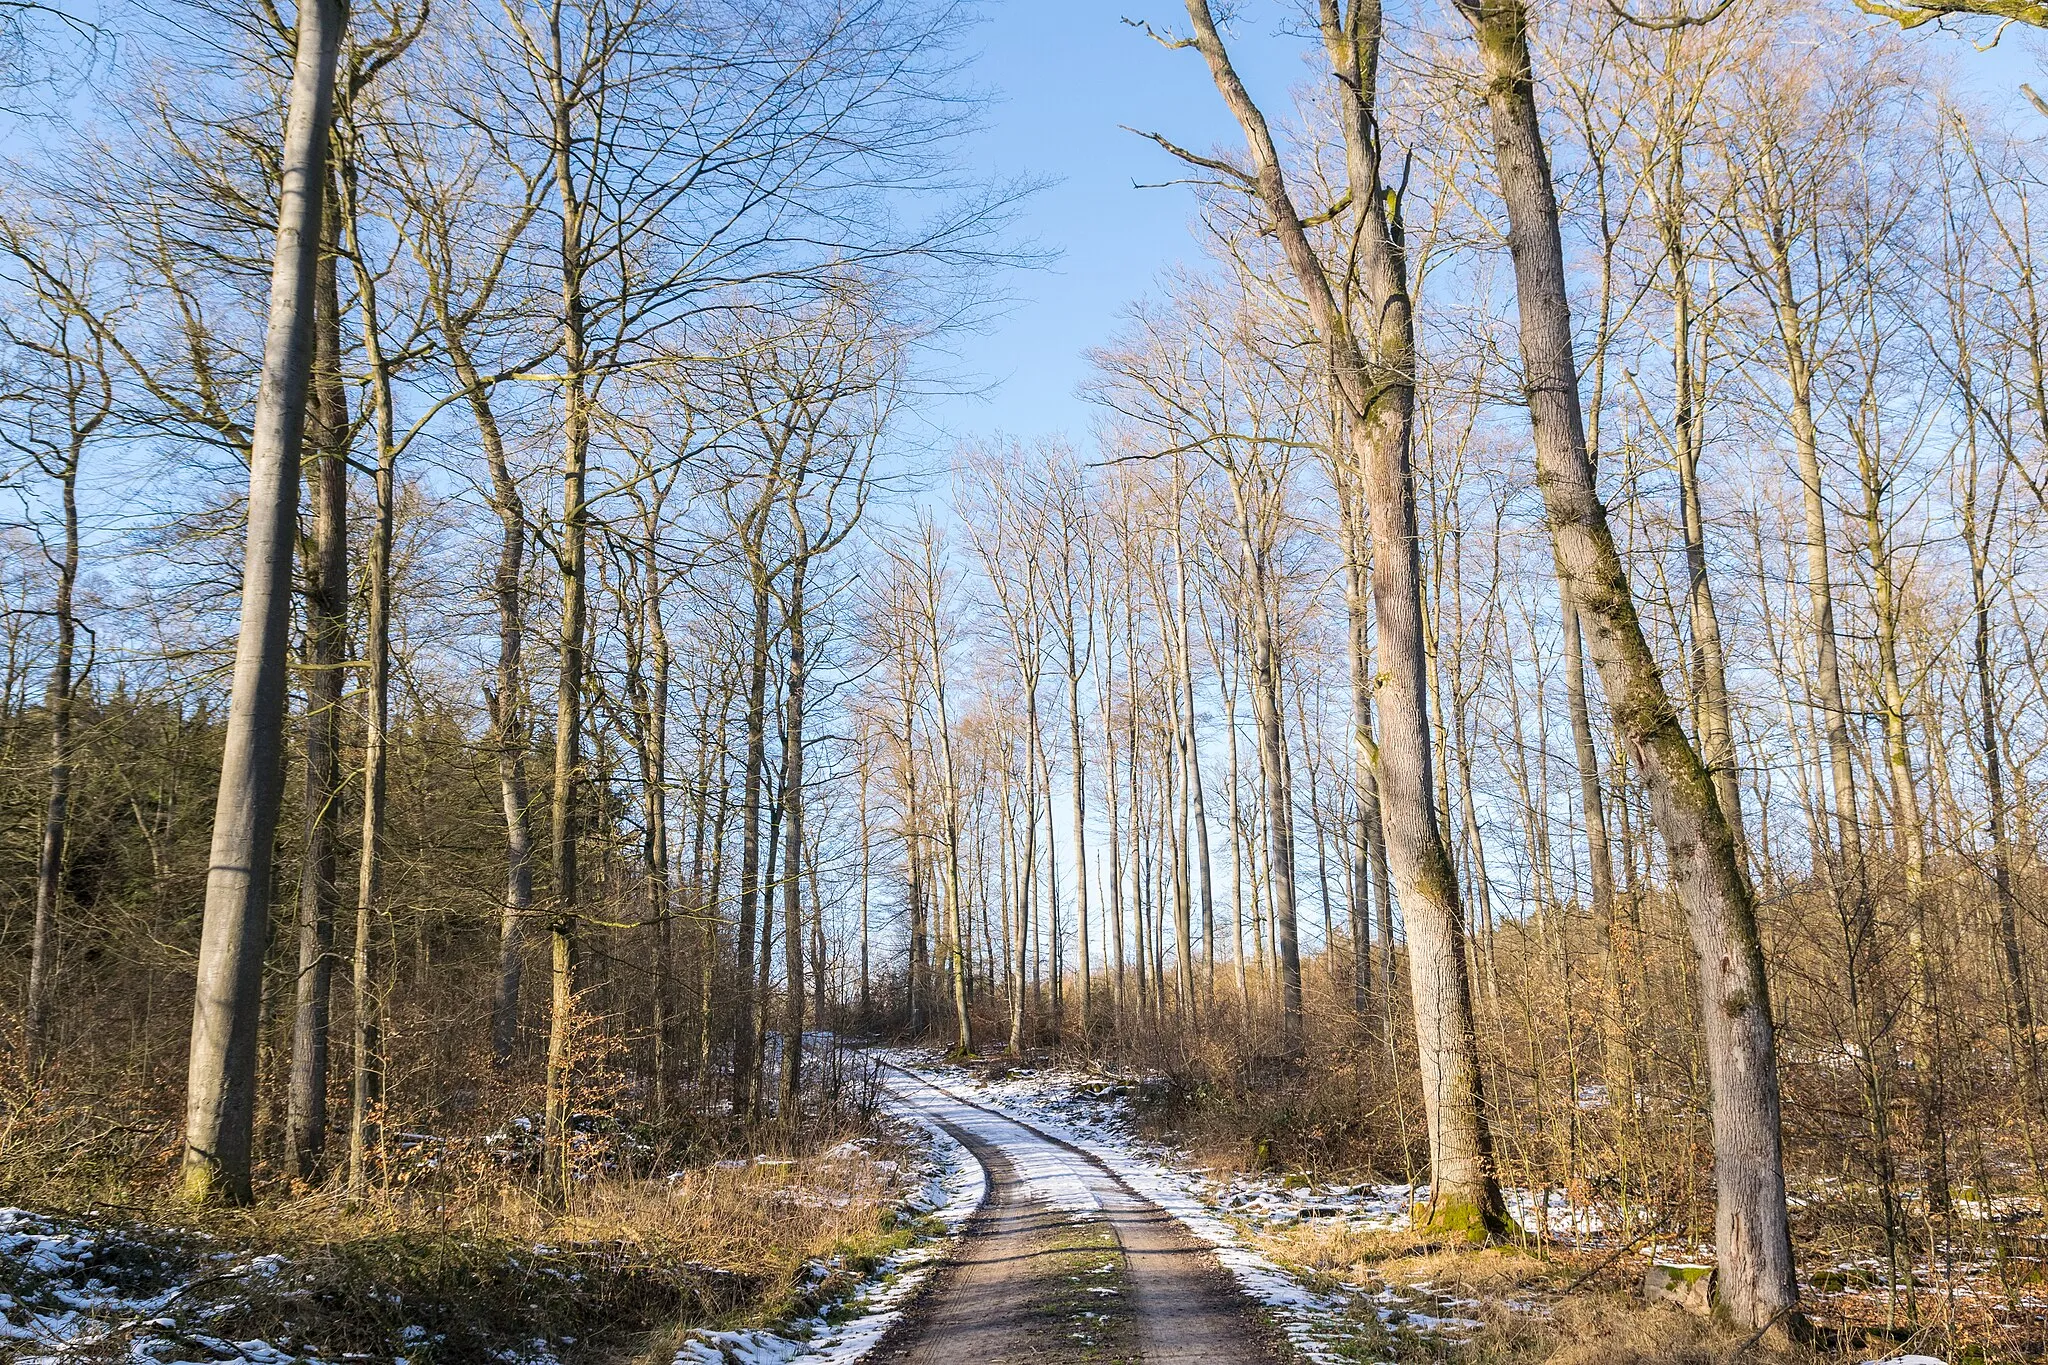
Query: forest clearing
[{"x": 772, "y": 681}]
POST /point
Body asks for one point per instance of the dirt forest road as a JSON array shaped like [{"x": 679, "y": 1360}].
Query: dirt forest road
[{"x": 1064, "y": 1262}]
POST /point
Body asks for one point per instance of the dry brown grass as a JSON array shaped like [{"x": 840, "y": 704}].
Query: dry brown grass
[
  {"x": 1607, "y": 1329},
  {"x": 1407, "y": 1259},
  {"x": 1520, "y": 1300},
  {"x": 618, "y": 1273}
]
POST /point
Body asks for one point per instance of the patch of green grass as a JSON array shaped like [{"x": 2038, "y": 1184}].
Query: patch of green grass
[{"x": 1082, "y": 1301}]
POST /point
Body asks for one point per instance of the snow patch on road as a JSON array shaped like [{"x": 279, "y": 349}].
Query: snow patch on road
[{"x": 1050, "y": 1173}]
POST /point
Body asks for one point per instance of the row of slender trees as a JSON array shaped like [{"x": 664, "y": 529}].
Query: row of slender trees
[
  {"x": 1789, "y": 230},
  {"x": 651, "y": 278},
  {"x": 592, "y": 333}
]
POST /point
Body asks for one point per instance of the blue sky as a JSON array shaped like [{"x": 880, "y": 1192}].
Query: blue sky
[{"x": 1068, "y": 75}]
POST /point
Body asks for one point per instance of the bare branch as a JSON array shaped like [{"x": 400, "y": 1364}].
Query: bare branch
[
  {"x": 1914, "y": 15},
  {"x": 1670, "y": 23},
  {"x": 1208, "y": 163}
]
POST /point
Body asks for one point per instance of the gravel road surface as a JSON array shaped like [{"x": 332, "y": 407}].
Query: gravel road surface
[{"x": 1064, "y": 1262}]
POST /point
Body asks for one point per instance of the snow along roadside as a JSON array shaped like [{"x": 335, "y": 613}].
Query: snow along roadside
[
  {"x": 1312, "y": 1321},
  {"x": 846, "y": 1329}
]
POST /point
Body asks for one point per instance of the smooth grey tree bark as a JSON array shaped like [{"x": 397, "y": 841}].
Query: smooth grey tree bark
[
  {"x": 1365, "y": 787},
  {"x": 1106, "y": 709},
  {"x": 1372, "y": 377},
  {"x": 325, "y": 560},
  {"x": 1278, "y": 792},
  {"x": 220, "y": 1100},
  {"x": 367, "y": 1079},
  {"x": 510, "y": 734},
  {"x": 1056, "y": 969},
  {"x": 904, "y": 641},
  {"x": 653, "y": 705},
  {"x": 795, "y": 698},
  {"x": 577, "y": 420},
  {"x": 753, "y": 767},
  {"x": 1752, "y": 1233}
]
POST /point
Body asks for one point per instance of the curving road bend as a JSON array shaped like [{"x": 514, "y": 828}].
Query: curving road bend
[{"x": 1064, "y": 1262}]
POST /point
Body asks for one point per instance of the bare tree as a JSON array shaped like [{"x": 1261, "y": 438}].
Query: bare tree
[
  {"x": 1370, "y": 373},
  {"x": 324, "y": 561},
  {"x": 1753, "y": 1236},
  {"x": 60, "y": 400},
  {"x": 221, "y": 1089}
]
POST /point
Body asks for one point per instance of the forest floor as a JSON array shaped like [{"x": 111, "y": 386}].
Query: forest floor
[
  {"x": 1339, "y": 1269},
  {"x": 992, "y": 1212},
  {"x": 651, "y": 1270}
]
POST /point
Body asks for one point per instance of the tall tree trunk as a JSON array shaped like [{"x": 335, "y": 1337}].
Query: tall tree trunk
[
  {"x": 1878, "y": 1055},
  {"x": 913, "y": 863},
  {"x": 1166, "y": 867},
  {"x": 1366, "y": 793},
  {"x": 1027, "y": 885},
  {"x": 1377, "y": 399},
  {"x": 568, "y": 778},
  {"x": 866, "y": 868},
  {"x": 713, "y": 896},
  {"x": 1710, "y": 668},
  {"x": 1238, "y": 860},
  {"x": 1998, "y": 811},
  {"x": 1080, "y": 828},
  {"x": 1254, "y": 853},
  {"x": 820, "y": 975},
  {"x": 1057, "y": 971},
  {"x": 325, "y": 561},
  {"x": 220, "y": 1099},
  {"x": 1133, "y": 762},
  {"x": 764, "y": 963},
  {"x": 1618, "y": 1061},
  {"x": 1116, "y": 851},
  {"x": 956, "y": 924},
  {"x": 1753, "y": 1235},
  {"x": 744, "y": 1081},
  {"x": 1177, "y": 768},
  {"x": 1819, "y": 580},
  {"x": 509, "y": 732},
  {"x": 368, "y": 1078},
  {"x": 1278, "y": 786},
  {"x": 793, "y": 829},
  {"x": 58, "y": 701},
  {"x": 654, "y": 783},
  {"x": 1192, "y": 756}
]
